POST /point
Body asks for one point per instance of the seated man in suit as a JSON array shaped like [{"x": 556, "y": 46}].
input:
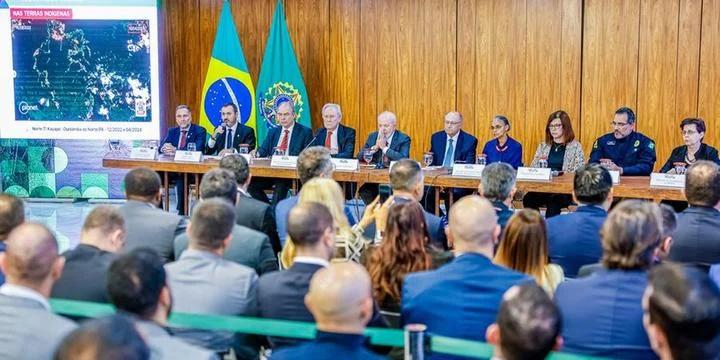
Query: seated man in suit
[
  {"x": 248, "y": 247},
  {"x": 178, "y": 138},
  {"x": 12, "y": 214},
  {"x": 110, "y": 337},
  {"x": 231, "y": 134},
  {"x": 602, "y": 313},
  {"x": 341, "y": 142},
  {"x": 84, "y": 277},
  {"x": 498, "y": 186},
  {"x": 289, "y": 138},
  {"x": 251, "y": 213},
  {"x": 528, "y": 324},
  {"x": 137, "y": 285},
  {"x": 682, "y": 313},
  {"x": 28, "y": 329},
  {"x": 697, "y": 238},
  {"x": 386, "y": 144},
  {"x": 432, "y": 297},
  {"x": 624, "y": 150},
  {"x": 574, "y": 238},
  {"x": 341, "y": 302},
  {"x": 146, "y": 225},
  {"x": 202, "y": 282}
]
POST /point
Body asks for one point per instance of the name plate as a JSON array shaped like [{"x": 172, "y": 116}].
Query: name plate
[
  {"x": 144, "y": 153},
  {"x": 469, "y": 170},
  {"x": 534, "y": 174},
  {"x": 667, "y": 180},
  {"x": 247, "y": 157},
  {"x": 188, "y": 156},
  {"x": 284, "y": 161},
  {"x": 346, "y": 164},
  {"x": 615, "y": 175}
]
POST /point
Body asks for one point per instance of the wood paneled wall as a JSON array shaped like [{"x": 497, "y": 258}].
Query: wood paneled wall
[{"x": 521, "y": 58}]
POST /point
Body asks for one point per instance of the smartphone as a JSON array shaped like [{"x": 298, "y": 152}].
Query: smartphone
[{"x": 385, "y": 191}]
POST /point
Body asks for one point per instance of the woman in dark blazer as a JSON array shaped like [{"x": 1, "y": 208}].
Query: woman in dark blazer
[{"x": 693, "y": 132}]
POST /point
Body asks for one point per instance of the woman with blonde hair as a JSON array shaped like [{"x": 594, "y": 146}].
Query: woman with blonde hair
[{"x": 524, "y": 248}]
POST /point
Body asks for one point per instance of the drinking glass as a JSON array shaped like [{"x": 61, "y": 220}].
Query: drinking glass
[
  {"x": 481, "y": 159},
  {"x": 367, "y": 155},
  {"x": 680, "y": 168},
  {"x": 191, "y": 146},
  {"x": 427, "y": 159},
  {"x": 244, "y": 149},
  {"x": 278, "y": 152}
]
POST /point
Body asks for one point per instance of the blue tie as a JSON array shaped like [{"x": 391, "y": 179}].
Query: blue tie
[
  {"x": 229, "y": 139},
  {"x": 449, "y": 155}
]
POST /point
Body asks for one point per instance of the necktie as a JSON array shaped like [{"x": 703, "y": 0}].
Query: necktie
[
  {"x": 183, "y": 140},
  {"x": 328, "y": 139},
  {"x": 229, "y": 139},
  {"x": 449, "y": 155},
  {"x": 284, "y": 142}
]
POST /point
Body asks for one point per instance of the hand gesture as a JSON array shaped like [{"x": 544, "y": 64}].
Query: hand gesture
[
  {"x": 168, "y": 149},
  {"x": 381, "y": 214}
]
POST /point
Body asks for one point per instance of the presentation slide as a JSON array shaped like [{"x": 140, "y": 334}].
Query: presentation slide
[{"x": 82, "y": 69}]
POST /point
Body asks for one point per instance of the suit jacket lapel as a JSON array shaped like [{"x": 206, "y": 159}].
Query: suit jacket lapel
[
  {"x": 294, "y": 140},
  {"x": 458, "y": 146},
  {"x": 321, "y": 136}
]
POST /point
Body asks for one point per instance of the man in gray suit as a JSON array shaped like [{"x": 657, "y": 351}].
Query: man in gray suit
[
  {"x": 137, "y": 285},
  {"x": 31, "y": 263},
  {"x": 146, "y": 224},
  {"x": 247, "y": 247},
  {"x": 202, "y": 282}
]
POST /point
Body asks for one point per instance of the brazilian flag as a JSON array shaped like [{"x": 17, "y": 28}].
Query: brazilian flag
[
  {"x": 280, "y": 77},
  {"x": 227, "y": 79}
]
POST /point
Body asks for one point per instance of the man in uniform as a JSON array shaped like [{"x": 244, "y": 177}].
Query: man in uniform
[{"x": 624, "y": 150}]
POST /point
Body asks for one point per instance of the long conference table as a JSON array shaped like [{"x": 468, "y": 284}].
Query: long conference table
[{"x": 637, "y": 187}]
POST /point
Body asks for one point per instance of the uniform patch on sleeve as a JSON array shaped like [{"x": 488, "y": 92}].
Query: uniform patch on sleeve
[
  {"x": 595, "y": 145},
  {"x": 637, "y": 143},
  {"x": 651, "y": 145}
]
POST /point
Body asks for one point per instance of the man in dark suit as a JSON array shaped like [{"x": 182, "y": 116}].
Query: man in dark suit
[
  {"x": 340, "y": 327},
  {"x": 251, "y": 212},
  {"x": 697, "y": 237},
  {"x": 231, "y": 134},
  {"x": 146, "y": 225},
  {"x": 432, "y": 297},
  {"x": 12, "y": 214},
  {"x": 624, "y": 150},
  {"x": 574, "y": 239},
  {"x": 110, "y": 337},
  {"x": 84, "y": 277},
  {"x": 498, "y": 185},
  {"x": 341, "y": 141}
]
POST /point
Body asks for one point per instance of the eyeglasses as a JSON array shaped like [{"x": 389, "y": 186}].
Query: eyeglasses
[
  {"x": 453, "y": 122},
  {"x": 497, "y": 127},
  {"x": 555, "y": 126},
  {"x": 617, "y": 124},
  {"x": 689, "y": 132}
]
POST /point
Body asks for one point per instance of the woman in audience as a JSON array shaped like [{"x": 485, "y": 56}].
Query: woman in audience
[
  {"x": 693, "y": 133},
  {"x": 405, "y": 248},
  {"x": 502, "y": 148},
  {"x": 561, "y": 153},
  {"x": 329, "y": 193},
  {"x": 524, "y": 248}
]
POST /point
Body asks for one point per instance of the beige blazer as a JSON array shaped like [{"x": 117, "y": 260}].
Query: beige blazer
[{"x": 574, "y": 156}]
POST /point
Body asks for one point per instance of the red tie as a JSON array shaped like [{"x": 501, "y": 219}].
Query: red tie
[
  {"x": 328, "y": 139},
  {"x": 183, "y": 139},
  {"x": 284, "y": 142}
]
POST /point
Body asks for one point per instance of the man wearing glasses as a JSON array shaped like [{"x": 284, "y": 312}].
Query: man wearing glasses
[{"x": 624, "y": 150}]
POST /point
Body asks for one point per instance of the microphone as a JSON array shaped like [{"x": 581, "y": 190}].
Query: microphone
[{"x": 312, "y": 141}]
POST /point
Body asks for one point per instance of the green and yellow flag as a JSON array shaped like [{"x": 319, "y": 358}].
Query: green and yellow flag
[
  {"x": 280, "y": 77},
  {"x": 227, "y": 79}
]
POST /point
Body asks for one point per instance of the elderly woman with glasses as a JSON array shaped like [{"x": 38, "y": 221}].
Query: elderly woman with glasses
[
  {"x": 693, "y": 133},
  {"x": 502, "y": 148}
]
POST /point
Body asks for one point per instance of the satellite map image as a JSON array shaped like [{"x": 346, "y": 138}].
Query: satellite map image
[{"x": 82, "y": 70}]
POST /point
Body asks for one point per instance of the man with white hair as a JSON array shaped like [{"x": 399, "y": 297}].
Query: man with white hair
[{"x": 334, "y": 136}]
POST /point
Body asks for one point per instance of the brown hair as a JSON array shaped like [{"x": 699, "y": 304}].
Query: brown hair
[
  {"x": 403, "y": 251},
  {"x": 524, "y": 244},
  {"x": 568, "y": 132},
  {"x": 630, "y": 235}
]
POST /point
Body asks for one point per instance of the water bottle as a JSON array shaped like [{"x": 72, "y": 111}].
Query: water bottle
[{"x": 542, "y": 163}]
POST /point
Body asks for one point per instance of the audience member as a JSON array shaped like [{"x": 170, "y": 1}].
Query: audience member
[
  {"x": 110, "y": 338},
  {"x": 682, "y": 313},
  {"x": 12, "y": 214},
  {"x": 146, "y": 225},
  {"x": 28, "y": 329},
  {"x": 137, "y": 285},
  {"x": 524, "y": 248},
  {"x": 497, "y": 184},
  {"x": 432, "y": 297},
  {"x": 247, "y": 247},
  {"x": 84, "y": 276},
  {"x": 697, "y": 238},
  {"x": 252, "y": 213},
  {"x": 528, "y": 325},
  {"x": 340, "y": 300},
  {"x": 202, "y": 282},
  {"x": 602, "y": 314}
]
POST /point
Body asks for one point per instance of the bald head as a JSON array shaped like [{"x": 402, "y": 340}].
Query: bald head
[
  {"x": 340, "y": 298},
  {"x": 473, "y": 223},
  {"x": 31, "y": 255}
]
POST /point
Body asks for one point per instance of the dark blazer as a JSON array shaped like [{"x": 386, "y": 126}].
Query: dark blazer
[
  {"x": 2, "y": 250},
  {"x": 602, "y": 315},
  {"x": 399, "y": 147},
  {"x": 706, "y": 152},
  {"x": 574, "y": 239},
  {"x": 196, "y": 134},
  {"x": 503, "y": 212},
  {"x": 258, "y": 215},
  {"x": 435, "y": 226},
  {"x": 635, "y": 153},
  {"x": 299, "y": 140},
  {"x": 329, "y": 346},
  {"x": 460, "y": 299},
  {"x": 346, "y": 141},
  {"x": 465, "y": 148},
  {"x": 243, "y": 135},
  {"x": 697, "y": 236},
  {"x": 84, "y": 276}
]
